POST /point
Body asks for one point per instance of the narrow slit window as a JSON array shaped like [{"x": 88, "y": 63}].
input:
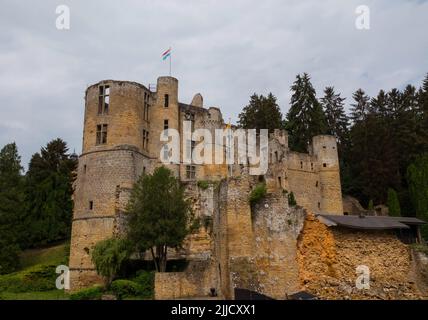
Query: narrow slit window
[
  {"x": 91, "y": 205},
  {"x": 166, "y": 101}
]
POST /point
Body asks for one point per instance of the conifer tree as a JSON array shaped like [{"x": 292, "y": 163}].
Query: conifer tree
[
  {"x": 261, "y": 113},
  {"x": 305, "y": 118},
  {"x": 49, "y": 194},
  {"x": 11, "y": 207},
  {"x": 337, "y": 120},
  {"x": 393, "y": 203}
]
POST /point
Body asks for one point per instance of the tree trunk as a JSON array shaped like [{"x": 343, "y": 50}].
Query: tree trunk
[
  {"x": 163, "y": 258},
  {"x": 154, "y": 259}
]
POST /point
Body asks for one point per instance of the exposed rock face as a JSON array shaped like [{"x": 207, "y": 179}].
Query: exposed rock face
[{"x": 328, "y": 261}]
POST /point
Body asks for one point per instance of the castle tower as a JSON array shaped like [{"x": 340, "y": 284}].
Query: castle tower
[
  {"x": 325, "y": 149},
  {"x": 165, "y": 115},
  {"x": 115, "y": 152}
]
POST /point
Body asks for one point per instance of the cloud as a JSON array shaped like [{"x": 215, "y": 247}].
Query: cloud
[{"x": 225, "y": 50}]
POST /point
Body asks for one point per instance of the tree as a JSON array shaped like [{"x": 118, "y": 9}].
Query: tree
[
  {"x": 108, "y": 257},
  {"x": 261, "y": 113},
  {"x": 393, "y": 203},
  {"x": 361, "y": 106},
  {"x": 48, "y": 194},
  {"x": 11, "y": 206},
  {"x": 337, "y": 120},
  {"x": 417, "y": 179},
  {"x": 305, "y": 118},
  {"x": 160, "y": 216}
]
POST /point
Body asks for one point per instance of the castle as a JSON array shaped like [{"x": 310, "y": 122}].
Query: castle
[{"x": 254, "y": 247}]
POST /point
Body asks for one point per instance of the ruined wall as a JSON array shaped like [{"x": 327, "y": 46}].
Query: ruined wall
[
  {"x": 195, "y": 281},
  {"x": 276, "y": 228},
  {"x": 328, "y": 258},
  {"x": 304, "y": 181}
]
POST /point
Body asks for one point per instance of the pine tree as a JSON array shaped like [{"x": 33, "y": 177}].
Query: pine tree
[
  {"x": 393, "y": 203},
  {"x": 305, "y": 118},
  {"x": 11, "y": 206},
  {"x": 261, "y": 113},
  {"x": 361, "y": 107},
  {"x": 337, "y": 120},
  {"x": 49, "y": 194},
  {"x": 417, "y": 178}
]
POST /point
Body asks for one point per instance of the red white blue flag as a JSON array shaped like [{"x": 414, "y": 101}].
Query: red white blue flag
[{"x": 166, "y": 54}]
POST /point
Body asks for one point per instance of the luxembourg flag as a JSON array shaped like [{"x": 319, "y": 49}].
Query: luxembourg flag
[{"x": 166, "y": 54}]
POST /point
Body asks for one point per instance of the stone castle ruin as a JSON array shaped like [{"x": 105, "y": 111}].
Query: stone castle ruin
[{"x": 273, "y": 247}]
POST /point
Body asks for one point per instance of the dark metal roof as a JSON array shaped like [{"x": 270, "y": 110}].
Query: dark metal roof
[
  {"x": 369, "y": 222},
  {"x": 302, "y": 295}
]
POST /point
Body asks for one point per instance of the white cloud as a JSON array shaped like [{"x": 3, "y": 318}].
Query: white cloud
[{"x": 226, "y": 50}]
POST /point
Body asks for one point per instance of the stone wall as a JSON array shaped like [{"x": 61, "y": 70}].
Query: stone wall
[
  {"x": 328, "y": 258},
  {"x": 196, "y": 281}
]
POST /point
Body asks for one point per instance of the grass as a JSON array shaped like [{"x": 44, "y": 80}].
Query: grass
[
  {"x": 43, "y": 295},
  {"x": 36, "y": 278},
  {"x": 55, "y": 255}
]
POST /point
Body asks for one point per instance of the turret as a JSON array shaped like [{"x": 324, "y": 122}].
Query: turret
[{"x": 324, "y": 147}]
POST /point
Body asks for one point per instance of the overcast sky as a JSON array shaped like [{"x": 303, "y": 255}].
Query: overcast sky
[{"x": 226, "y": 50}]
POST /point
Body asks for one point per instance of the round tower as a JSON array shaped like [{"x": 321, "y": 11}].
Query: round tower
[
  {"x": 324, "y": 147},
  {"x": 165, "y": 115},
  {"x": 115, "y": 152}
]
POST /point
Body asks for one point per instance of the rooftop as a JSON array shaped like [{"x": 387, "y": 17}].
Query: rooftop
[{"x": 369, "y": 222}]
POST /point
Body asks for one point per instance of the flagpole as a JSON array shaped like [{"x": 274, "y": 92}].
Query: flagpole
[{"x": 170, "y": 57}]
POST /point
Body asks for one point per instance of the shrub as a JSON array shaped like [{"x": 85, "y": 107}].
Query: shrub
[
  {"x": 258, "y": 193},
  {"x": 108, "y": 256},
  {"x": 146, "y": 280},
  {"x": 203, "y": 184},
  {"x": 291, "y": 199},
  {"x": 125, "y": 288},
  {"x": 92, "y": 293},
  {"x": 36, "y": 278}
]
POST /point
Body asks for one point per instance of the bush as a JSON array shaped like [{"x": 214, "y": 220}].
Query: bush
[
  {"x": 291, "y": 199},
  {"x": 36, "y": 278},
  {"x": 203, "y": 184},
  {"x": 125, "y": 288},
  {"x": 92, "y": 293},
  {"x": 258, "y": 193},
  {"x": 146, "y": 280},
  {"x": 108, "y": 256}
]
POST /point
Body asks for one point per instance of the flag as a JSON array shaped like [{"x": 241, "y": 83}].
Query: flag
[{"x": 166, "y": 54}]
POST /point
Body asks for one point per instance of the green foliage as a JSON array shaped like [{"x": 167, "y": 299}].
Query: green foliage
[
  {"x": 160, "y": 216},
  {"x": 35, "y": 295},
  {"x": 261, "y": 113},
  {"x": 337, "y": 120},
  {"x": 393, "y": 203},
  {"x": 305, "y": 118},
  {"x": 108, "y": 257},
  {"x": 11, "y": 207},
  {"x": 291, "y": 199},
  {"x": 258, "y": 193},
  {"x": 125, "y": 288},
  {"x": 36, "y": 278},
  {"x": 203, "y": 184},
  {"x": 370, "y": 206},
  {"x": 146, "y": 280},
  {"x": 417, "y": 179},
  {"x": 48, "y": 194},
  {"x": 92, "y": 293}
]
